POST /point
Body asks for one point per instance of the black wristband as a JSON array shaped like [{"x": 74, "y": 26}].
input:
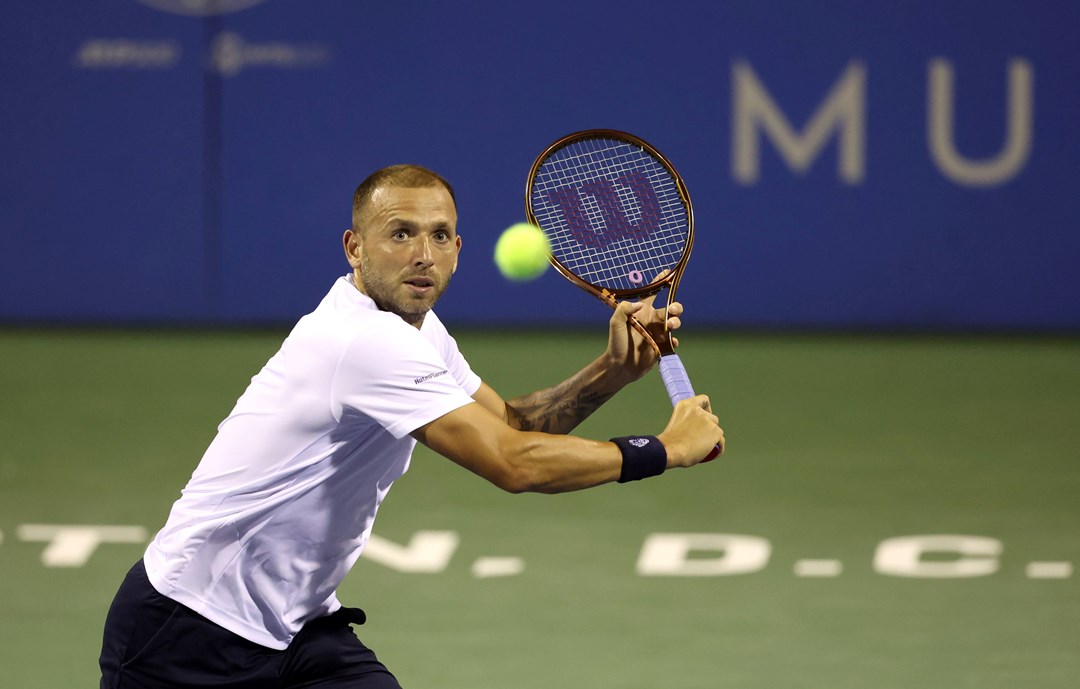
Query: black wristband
[{"x": 642, "y": 456}]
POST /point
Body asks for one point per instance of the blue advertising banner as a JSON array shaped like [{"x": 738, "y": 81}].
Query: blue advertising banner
[{"x": 853, "y": 164}]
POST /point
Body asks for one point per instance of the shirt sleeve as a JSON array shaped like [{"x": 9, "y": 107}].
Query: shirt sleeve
[
  {"x": 436, "y": 332},
  {"x": 396, "y": 377}
]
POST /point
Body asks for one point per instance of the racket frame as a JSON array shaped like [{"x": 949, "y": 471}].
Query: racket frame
[{"x": 659, "y": 339}]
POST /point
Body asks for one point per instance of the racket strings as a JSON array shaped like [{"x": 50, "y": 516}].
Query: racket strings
[{"x": 612, "y": 212}]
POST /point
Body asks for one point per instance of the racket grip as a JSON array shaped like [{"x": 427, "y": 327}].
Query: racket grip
[
  {"x": 675, "y": 378},
  {"x": 677, "y": 382}
]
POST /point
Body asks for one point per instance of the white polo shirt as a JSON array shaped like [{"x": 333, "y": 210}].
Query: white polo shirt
[{"x": 284, "y": 499}]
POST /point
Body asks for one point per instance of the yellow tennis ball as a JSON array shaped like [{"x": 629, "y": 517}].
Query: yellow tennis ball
[{"x": 522, "y": 252}]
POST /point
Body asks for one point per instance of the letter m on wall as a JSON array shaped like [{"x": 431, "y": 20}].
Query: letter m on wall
[{"x": 756, "y": 115}]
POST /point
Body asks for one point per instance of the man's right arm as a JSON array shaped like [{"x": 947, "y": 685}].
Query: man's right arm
[
  {"x": 527, "y": 461},
  {"x": 628, "y": 356}
]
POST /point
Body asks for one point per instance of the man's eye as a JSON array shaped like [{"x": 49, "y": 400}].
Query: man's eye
[
  {"x": 401, "y": 234},
  {"x": 442, "y": 236}
]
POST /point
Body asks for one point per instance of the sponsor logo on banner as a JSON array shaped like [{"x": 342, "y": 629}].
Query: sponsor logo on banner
[
  {"x": 127, "y": 53},
  {"x": 201, "y": 8},
  {"x": 230, "y": 53}
]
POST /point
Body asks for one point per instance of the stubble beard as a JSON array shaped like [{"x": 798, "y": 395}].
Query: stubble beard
[{"x": 392, "y": 297}]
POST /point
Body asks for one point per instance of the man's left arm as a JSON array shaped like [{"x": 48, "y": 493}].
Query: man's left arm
[{"x": 559, "y": 409}]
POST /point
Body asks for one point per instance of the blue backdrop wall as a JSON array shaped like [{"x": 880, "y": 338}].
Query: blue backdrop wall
[{"x": 853, "y": 164}]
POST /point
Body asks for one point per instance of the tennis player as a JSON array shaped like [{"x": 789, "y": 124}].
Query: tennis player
[{"x": 238, "y": 588}]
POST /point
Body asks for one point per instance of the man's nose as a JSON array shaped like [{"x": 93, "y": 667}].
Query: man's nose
[{"x": 423, "y": 252}]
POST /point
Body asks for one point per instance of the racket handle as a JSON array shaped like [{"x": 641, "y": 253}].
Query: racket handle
[
  {"x": 677, "y": 382},
  {"x": 675, "y": 378}
]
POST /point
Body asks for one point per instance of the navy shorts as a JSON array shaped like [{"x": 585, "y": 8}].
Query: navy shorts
[{"x": 152, "y": 641}]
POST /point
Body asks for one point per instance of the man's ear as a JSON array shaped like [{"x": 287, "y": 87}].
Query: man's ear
[
  {"x": 353, "y": 247},
  {"x": 456, "y": 254}
]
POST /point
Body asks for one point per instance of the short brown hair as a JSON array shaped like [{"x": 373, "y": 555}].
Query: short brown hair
[{"x": 407, "y": 176}]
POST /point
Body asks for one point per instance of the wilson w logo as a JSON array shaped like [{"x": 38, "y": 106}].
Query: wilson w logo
[{"x": 602, "y": 211}]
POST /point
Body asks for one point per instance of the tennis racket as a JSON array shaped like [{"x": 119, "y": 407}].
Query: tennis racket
[{"x": 619, "y": 221}]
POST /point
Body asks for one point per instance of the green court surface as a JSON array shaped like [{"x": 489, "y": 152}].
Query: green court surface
[{"x": 892, "y": 513}]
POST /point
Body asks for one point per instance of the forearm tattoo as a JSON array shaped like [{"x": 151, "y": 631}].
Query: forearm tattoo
[{"x": 558, "y": 409}]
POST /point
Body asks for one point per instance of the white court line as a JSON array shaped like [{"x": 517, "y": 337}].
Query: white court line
[
  {"x": 818, "y": 568},
  {"x": 1049, "y": 570},
  {"x": 486, "y": 567}
]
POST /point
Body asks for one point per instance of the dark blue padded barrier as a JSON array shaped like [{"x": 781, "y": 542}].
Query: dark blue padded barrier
[{"x": 853, "y": 164}]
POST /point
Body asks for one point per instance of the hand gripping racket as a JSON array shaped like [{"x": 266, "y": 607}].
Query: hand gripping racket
[{"x": 619, "y": 221}]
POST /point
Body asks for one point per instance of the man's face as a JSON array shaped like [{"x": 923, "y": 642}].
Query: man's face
[{"x": 405, "y": 249}]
